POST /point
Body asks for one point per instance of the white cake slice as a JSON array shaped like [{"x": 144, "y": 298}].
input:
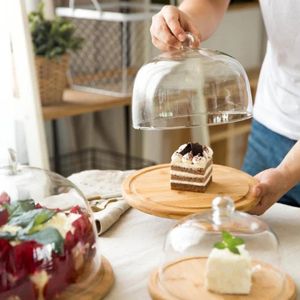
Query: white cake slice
[{"x": 227, "y": 272}]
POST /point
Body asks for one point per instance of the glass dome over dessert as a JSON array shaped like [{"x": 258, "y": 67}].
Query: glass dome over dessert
[
  {"x": 218, "y": 254},
  {"x": 190, "y": 87},
  {"x": 47, "y": 234}
]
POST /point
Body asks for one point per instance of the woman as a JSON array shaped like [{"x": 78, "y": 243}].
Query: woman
[{"x": 273, "y": 153}]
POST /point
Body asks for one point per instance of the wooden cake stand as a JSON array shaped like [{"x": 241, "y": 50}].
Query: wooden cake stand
[
  {"x": 96, "y": 288},
  {"x": 149, "y": 191},
  {"x": 185, "y": 279}
]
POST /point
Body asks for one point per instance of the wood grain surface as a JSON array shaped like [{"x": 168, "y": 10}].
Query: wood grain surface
[
  {"x": 184, "y": 279},
  {"x": 149, "y": 191},
  {"x": 94, "y": 289}
]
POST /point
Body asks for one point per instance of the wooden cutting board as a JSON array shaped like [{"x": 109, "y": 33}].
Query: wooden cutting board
[
  {"x": 184, "y": 279},
  {"x": 94, "y": 289},
  {"x": 149, "y": 191}
]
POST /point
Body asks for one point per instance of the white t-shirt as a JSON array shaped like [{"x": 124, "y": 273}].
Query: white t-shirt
[{"x": 277, "y": 104}]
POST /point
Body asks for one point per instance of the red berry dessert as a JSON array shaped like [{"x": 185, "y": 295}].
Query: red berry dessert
[{"x": 42, "y": 251}]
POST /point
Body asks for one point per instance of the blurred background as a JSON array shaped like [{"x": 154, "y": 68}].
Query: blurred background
[{"x": 66, "y": 83}]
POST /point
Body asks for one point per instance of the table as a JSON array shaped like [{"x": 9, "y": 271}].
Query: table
[{"x": 134, "y": 248}]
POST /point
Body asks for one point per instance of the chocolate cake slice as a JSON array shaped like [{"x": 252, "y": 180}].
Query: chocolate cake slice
[{"x": 191, "y": 167}]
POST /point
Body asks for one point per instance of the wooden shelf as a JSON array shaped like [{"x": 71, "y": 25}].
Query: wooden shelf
[
  {"x": 243, "y": 5},
  {"x": 78, "y": 102}
]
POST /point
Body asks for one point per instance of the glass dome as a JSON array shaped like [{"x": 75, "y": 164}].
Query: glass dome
[
  {"x": 190, "y": 87},
  {"x": 47, "y": 234},
  {"x": 220, "y": 252}
]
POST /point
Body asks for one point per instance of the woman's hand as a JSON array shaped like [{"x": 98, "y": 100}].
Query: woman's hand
[
  {"x": 273, "y": 184},
  {"x": 169, "y": 27}
]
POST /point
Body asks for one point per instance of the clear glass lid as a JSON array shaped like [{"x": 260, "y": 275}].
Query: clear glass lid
[
  {"x": 47, "y": 234},
  {"x": 190, "y": 87},
  {"x": 221, "y": 251}
]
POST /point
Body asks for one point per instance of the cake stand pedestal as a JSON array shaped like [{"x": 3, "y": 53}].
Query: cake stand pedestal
[
  {"x": 149, "y": 190},
  {"x": 184, "y": 279},
  {"x": 96, "y": 288}
]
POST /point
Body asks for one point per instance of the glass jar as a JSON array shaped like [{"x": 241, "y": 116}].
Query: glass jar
[{"x": 47, "y": 234}]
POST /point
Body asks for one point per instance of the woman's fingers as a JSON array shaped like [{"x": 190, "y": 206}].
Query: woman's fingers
[
  {"x": 161, "y": 45},
  {"x": 169, "y": 28},
  {"x": 172, "y": 18},
  {"x": 161, "y": 32}
]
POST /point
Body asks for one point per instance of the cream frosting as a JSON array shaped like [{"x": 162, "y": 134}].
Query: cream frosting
[
  {"x": 190, "y": 175},
  {"x": 191, "y": 182},
  {"x": 198, "y": 161}
]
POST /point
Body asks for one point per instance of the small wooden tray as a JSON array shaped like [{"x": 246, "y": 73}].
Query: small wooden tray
[
  {"x": 96, "y": 288},
  {"x": 185, "y": 279},
  {"x": 149, "y": 191}
]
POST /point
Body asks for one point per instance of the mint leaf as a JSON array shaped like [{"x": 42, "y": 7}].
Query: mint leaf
[
  {"x": 7, "y": 235},
  {"x": 33, "y": 218},
  {"x": 18, "y": 208},
  {"x": 47, "y": 236},
  {"x": 24, "y": 219},
  {"x": 226, "y": 236},
  {"x": 220, "y": 245},
  {"x": 229, "y": 242},
  {"x": 234, "y": 249},
  {"x": 238, "y": 241}
]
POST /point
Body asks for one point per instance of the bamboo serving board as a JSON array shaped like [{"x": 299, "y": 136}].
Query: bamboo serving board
[
  {"x": 149, "y": 191},
  {"x": 184, "y": 279},
  {"x": 96, "y": 288}
]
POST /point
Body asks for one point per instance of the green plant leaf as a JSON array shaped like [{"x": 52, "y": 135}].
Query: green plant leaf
[
  {"x": 31, "y": 219},
  {"x": 238, "y": 241},
  {"x": 7, "y": 235},
  {"x": 47, "y": 236},
  {"x": 220, "y": 245},
  {"x": 52, "y": 38},
  {"x": 229, "y": 242},
  {"x": 226, "y": 236},
  {"x": 18, "y": 208},
  {"x": 234, "y": 249}
]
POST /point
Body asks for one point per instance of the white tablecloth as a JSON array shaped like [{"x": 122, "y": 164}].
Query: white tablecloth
[{"x": 134, "y": 248}]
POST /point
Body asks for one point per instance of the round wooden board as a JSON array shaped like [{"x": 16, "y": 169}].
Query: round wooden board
[
  {"x": 96, "y": 288},
  {"x": 149, "y": 191},
  {"x": 185, "y": 279}
]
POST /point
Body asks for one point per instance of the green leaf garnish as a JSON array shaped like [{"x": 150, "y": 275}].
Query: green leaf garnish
[
  {"x": 220, "y": 245},
  {"x": 32, "y": 218},
  {"x": 47, "y": 236},
  {"x": 229, "y": 242},
  {"x": 18, "y": 208},
  {"x": 7, "y": 235}
]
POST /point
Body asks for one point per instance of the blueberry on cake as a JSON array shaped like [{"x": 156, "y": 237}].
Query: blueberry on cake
[{"x": 191, "y": 167}]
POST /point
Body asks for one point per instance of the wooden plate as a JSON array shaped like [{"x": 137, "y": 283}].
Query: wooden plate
[
  {"x": 185, "y": 278},
  {"x": 96, "y": 288},
  {"x": 149, "y": 191}
]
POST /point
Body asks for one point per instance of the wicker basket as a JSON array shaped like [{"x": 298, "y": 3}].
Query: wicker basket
[{"x": 52, "y": 78}]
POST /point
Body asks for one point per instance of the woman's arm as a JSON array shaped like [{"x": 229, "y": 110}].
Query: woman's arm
[
  {"x": 200, "y": 17},
  {"x": 275, "y": 182}
]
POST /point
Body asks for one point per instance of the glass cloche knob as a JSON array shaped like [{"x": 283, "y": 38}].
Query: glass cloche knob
[
  {"x": 222, "y": 207},
  {"x": 190, "y": 87}
]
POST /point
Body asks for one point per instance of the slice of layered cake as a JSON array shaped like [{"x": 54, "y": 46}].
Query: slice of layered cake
[{"x": 191, "y": 167}]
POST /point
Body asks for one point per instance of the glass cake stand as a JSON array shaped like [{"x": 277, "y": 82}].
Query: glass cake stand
[
  {"x": 190, "y": 87},
  {"x": 48, "y": 240},
  {"x": 189, "y": 243}
]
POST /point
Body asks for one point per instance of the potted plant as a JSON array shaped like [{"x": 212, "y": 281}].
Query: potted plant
[{"x": 52, "y": 41}]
